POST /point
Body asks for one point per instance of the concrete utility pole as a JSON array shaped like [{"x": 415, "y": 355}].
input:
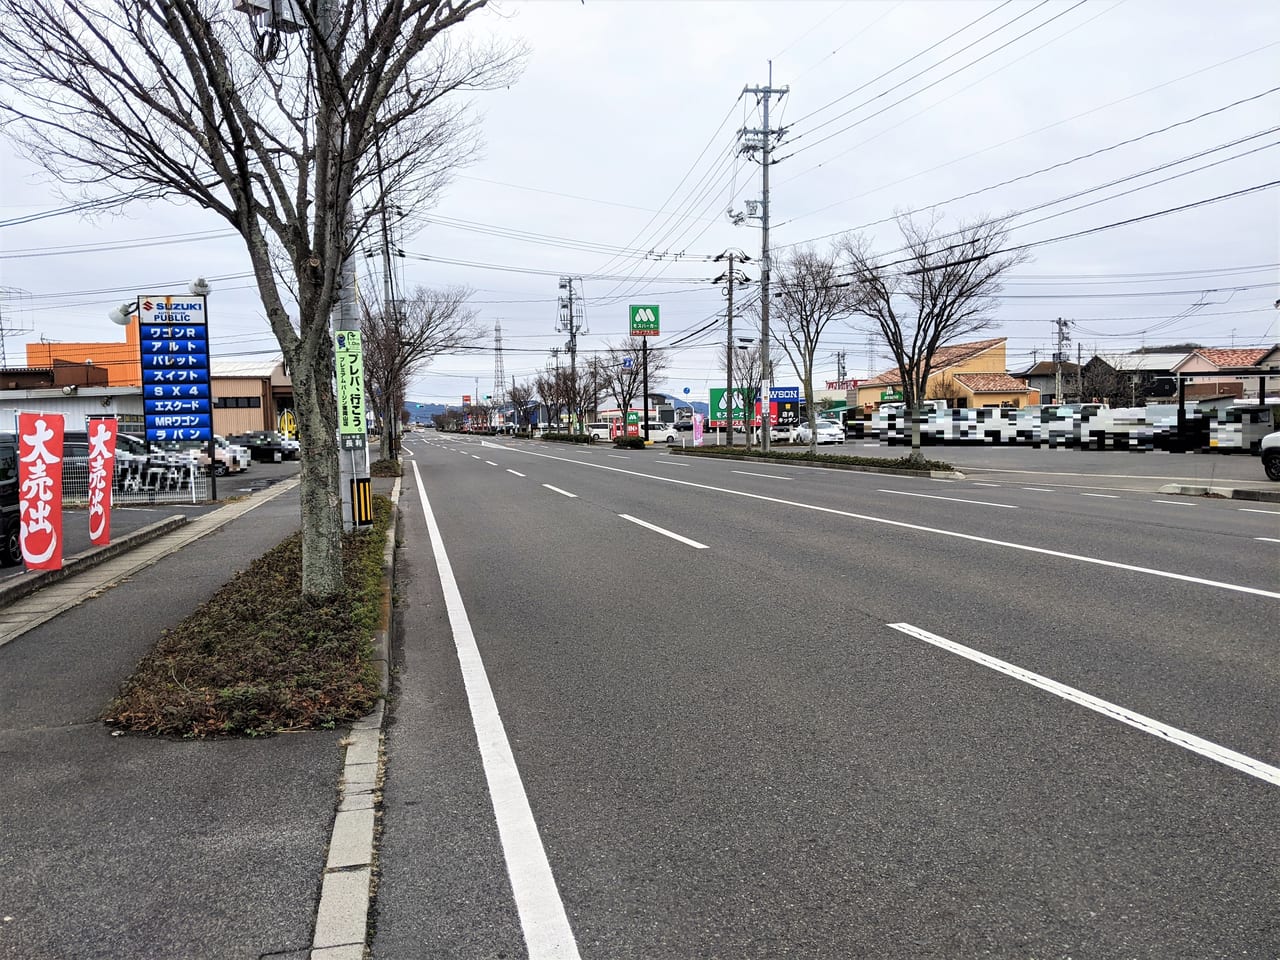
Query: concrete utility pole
[
  {"x": 733, "y": 256},
  {"x": 764, "y": 143},
  {"x": 573, "y": 322}
]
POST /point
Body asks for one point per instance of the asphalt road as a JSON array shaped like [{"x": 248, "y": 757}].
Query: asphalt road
[{"x": 765, "y": 711}]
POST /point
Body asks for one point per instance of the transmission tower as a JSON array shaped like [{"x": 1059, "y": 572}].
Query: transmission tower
[
  {"x": 13, "y": 302},
  {"x": 499, "y": 375}
]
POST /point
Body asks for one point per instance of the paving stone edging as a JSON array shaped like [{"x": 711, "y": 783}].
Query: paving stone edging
[
  {"x": 35, "y": 580},
  {"x": 342, "y": 918},
  {"x": 820, "y": 464}
]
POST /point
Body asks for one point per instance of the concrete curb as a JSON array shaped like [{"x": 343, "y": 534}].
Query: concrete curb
[
  {"x": 342, "y": 917},
  {"x": 820, "y": 465},
  {"x": 1230, "y": 493},
  {"x": 31, "y": 582}
]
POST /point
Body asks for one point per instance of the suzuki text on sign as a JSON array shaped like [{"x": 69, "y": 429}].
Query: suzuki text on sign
[
  {"x": 40, "y": 489},
  {"x": 102, "y": 468}
]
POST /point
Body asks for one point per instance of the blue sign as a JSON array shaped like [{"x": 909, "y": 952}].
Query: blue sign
[
  {"x": 174, "y": 344},
  {"x": 628, "y": 363},
  {"x": 784, "y": 393}
]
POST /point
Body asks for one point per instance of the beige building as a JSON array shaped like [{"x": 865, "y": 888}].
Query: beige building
[
  {"x": 966, "y": 374},
  {"x": 249, "y": 395}
]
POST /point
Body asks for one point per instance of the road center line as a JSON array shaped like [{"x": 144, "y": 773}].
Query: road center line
[
  {"x": 666, "y": 533},
  {"x": 1206, "y": 748},
  {"x": 767, "y": 476},
  {"x": 547, "y": 934},
  {"x": 563, "y": 493},
  {"x": 930, "y": 496},
  {"x": 516, "y": 472},
  {"x": 918, "y": 527}
]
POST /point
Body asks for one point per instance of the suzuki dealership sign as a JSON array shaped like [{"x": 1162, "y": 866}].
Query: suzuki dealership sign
[{"x": 174, "y": 341}]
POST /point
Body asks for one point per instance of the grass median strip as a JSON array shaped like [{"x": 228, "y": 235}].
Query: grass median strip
[{"x": 258, "y": 658}]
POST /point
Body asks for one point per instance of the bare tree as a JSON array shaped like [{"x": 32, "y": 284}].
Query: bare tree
[
  {"x": 186, "y": 99},
  {"x": 622, "y": 373},
  {"x": 747, "y": 370},
  {"x": 942, "y": 287},
  {"x": 549, "y": 386},
  {"x": 520, "y": 396},
  {"x": 811, "y": 294},
  {"x": 398, "y": 344}
]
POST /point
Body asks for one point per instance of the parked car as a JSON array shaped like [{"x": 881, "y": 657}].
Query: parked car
[
  {"x": 1269, "y": 448},
  {"x": 662, "y": 433},
  {"x": 10, "y": 516},
  {"x": 778, "y": 433},
  {"x": 599, "y": 430},
  {"x": 263, "y": 445},
  {"x": 683, "y": 425},
  {"x": 828, "y": 431}
]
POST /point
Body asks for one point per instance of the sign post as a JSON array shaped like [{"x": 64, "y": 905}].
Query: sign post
[
  {"x": 644, "y": 324},
  {"x": 349, "y": 363},
  {"x": 173, "y": 335}
]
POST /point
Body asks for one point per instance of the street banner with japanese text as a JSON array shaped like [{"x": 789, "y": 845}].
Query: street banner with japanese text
[
  {"x": 40, "y": 489},
  {"x": 102, "y": 469},
  {"x": 349, "y": 357}
]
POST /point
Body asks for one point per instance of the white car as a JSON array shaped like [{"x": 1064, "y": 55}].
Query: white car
[
  {"x": 662, "y": 433},
  {"x": 828, "y": 431},
  {"x": 1269, "y": 448}
]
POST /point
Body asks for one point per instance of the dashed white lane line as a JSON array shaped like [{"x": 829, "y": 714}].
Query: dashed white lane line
[
  {"x": 563, "y": 493},
  {"x": 1255, "y": 510},
  {"x": 618, "y": 456},
  {"x": 977, "y": 484},
  {"x": 671, "y": 463},
  {"x": 1175, "y": 503},
  {"x": 1267, "y": 539},
  {"x": 767, "y": 476},
  {"x": 516, "y": 472},
  {"x": 1206, "y": 748},
  {"x": 1103, "y": 496},
  {"x": 547, "y": 934},
  {"x": 1039, "y": 489},
  {"x": 491, "y": 463},
  {"x": 930, "y": 496},
  {"x": 666, "y": 533},
  {"x": 475, "y": 456}
]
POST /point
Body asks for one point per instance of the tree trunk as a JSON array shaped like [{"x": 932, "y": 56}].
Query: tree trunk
[{"x": 321, "y": 500}]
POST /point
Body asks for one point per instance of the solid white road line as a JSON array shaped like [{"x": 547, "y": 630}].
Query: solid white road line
[
  {"x": 1039, "y": 489},
  {"x": 930, "y": 496},
  {"x": 563, "y": 493},
  {"x": 547, "y": 934},
  {"x": 1238, "y": 761},
  {"x": 1254, "y": 510},
  {"x": 1175, "y": 503},
  {"x": 666, "y": 533},
  {"x": 921, "y": 528},
  {"x": 516, "y": 472},
  {"x": 767, "y": 476},
  {"x": 1104, "y": 496}
]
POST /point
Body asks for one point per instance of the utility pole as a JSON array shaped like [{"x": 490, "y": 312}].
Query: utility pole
[
  {"x": 1080, "y": 371},
  {"x": 572, "y": 321},
  {"x": 1060, "y": 355},
  {"x": 733, "y": 256},
  {"x": 763, "y": 141},
  {"x": 840, "y": 367},
  {"x": 499, "y": 375}
]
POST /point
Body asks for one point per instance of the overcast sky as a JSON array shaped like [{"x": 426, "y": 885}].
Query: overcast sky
[{"x": 621, "y": 138}]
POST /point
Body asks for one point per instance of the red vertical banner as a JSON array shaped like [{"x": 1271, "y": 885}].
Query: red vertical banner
[
  {"x": 40, "y": 489},
  {"x": 102, "y": 467}
]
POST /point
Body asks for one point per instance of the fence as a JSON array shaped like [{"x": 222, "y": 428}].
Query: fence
[{"x": 141, "y": 480}]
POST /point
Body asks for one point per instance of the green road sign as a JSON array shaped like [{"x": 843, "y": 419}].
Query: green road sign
[
  {"x": 891, "y": 395},
  {"x": 716, "y": 415},
  {"x": 644, "y": 320}
]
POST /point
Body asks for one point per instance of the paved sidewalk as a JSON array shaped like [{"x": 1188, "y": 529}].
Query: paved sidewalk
[{"x": 128, "y": 847}]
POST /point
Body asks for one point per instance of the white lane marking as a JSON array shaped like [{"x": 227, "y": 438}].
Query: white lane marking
[
  {"x": 977, "y": 484},
  {"x": 1267, "y": 539},
  {"x": 1175, "y": 503},
  {"x": 1040, "y": 489},
  {"x": 491, "y": 463},
  {"x": 666, "y": 533},
  {"x": 547, "y": 934},
  {"x": 672, "y": 463},
  {"x": 930, "y": 496},
  {"x": 1254, "y": 510},
  {"x": 921, "y": 528},
  {"x": 516, "y": 472},
  {"x": 618, "y": 456},
  {"x": 563, "y": 493},
  {"x": 475, "y": 456},
  {"x": 1188, "y": 741},
  {"x": 1104, "y": 496},
  {"x": 767, "y": 476}
]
